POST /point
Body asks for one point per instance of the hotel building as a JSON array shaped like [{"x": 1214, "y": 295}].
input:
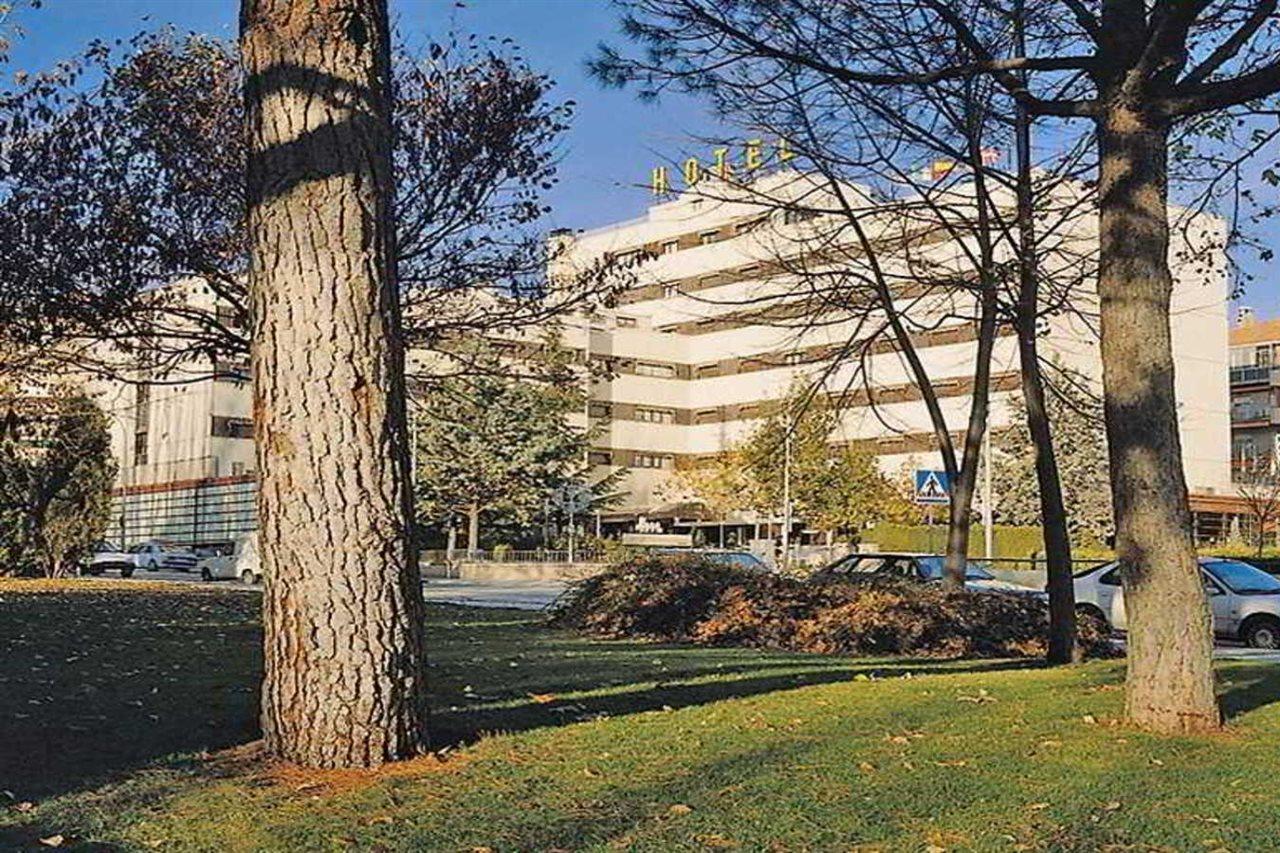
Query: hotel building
[
  {"x": 718, "y": 326},
  {"x": 717, "y": 329}
]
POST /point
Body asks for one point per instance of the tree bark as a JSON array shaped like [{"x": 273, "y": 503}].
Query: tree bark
[
  {"x": 473, "y": 529},
  {"x": 1170, "y": 676},
  {"x": 1062, "y": 646},
  {"x": 343, "y": 615}
]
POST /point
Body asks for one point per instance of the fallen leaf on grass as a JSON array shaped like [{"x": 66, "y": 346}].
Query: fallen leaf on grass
[
  {"x": 715, "y": 839},
  {"x": 679, "y": 809},
  {"x": 542, "y": 698},
  {"x": 52, "y": 841},
  {"x": 980, "y": 698},
  {"x": 1038, "y": 807}
]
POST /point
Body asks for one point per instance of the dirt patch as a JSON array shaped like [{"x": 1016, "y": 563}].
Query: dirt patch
[{"x": 251, "y": 762}]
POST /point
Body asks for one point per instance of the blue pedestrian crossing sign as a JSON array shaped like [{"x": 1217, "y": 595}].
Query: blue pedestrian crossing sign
[{"x": 933, "y": 487}]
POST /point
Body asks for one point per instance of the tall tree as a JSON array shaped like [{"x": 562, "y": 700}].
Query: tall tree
[
  {"x": 343, "y": 617},
  {"x": 56, "y": 473},
  {"x": 836, "y": 487},
  {"x": 1134, "y": 70},
  {"x": 489, "y": 442},
  {"x": 124, "y": 172}
]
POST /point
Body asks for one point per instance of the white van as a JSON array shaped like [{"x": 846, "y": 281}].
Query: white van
[{"x": 241, "y": 564}]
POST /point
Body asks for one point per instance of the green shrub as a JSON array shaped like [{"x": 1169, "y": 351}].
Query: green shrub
[{"x": 687, "y": 599}]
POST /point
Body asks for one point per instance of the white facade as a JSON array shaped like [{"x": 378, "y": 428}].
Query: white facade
[
  {"x": 665, "y": 336},
  {"x": 693, "y": 364}
]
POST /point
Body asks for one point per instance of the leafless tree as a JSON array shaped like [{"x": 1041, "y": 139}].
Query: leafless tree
[
  {"x": 1259, "y": 487},
  {"x": 1133, "y": 70}
]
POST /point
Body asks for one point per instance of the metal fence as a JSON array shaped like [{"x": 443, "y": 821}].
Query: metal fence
[
  {"x": 502, "y": 555},
  {"x": 195, "y": 513}
]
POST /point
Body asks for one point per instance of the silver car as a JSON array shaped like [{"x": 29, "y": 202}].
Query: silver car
[{"x": 1245, "y": 600}]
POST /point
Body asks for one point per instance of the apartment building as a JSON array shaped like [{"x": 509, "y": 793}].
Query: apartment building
[
  {"x": 1255, "y": 392},
  {"x": 183, "y": 440}
]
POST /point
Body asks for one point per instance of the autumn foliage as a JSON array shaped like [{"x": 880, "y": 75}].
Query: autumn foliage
[{"x": 688, "y": 599}]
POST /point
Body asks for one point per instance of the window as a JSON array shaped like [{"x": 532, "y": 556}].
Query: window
[
  {"x": 1111, "y": 578},
  {"x": 1262, "y": 356},
  {"x": 670, "y": 246},
  {"x": 140, "y": 448},
  {"x": 705, "y": 416},
  {"x": 223, "y": 427},
  {"x": 600, "y": 457},
  {"x": 747, "y": 227},
  {"x": 625, "y": 322},
  {"x": 237, "y": 469},
  {"x": 670, "y": 290},
  {"x": 709, "y": 281},
  {"x": 665, "y": 371},
  {"x": 706, "y": 238},
  {"x": 653, "y": 460},
  {"x": 706, "y": 371},
  {"x": 600, "y": 410},
  {"x": 791, "y": 217},
  {"x": 656, "y": 416},
  {"x": 795, "y": 358}
]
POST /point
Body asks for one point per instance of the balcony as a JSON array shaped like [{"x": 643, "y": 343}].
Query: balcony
[
  {"x": 1251, "y": 375},
  {"x": 1247, "y": 416}
]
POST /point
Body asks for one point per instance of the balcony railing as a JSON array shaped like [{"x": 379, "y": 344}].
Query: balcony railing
[{"x": 1250, "y": 375}]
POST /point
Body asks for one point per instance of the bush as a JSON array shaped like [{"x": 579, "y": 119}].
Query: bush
[{"x": 688, "y": 599}]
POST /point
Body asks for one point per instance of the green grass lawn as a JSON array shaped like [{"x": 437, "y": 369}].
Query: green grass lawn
[{"x": 113, "y": 696}]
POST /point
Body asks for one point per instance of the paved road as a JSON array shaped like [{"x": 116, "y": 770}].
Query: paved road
[
  {"x": 521, "y": 595},
  {"x": 170, "y": 575}
]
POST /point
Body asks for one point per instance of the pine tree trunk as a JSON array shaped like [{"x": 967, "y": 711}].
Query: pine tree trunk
[
  {"x": 1170, "y": 675},
  {"x": 343, "y": 614}
]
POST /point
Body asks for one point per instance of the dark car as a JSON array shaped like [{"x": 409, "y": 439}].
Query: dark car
[
  {"x": 922, "y": 568},
  {"x": 744, "y": 560}
]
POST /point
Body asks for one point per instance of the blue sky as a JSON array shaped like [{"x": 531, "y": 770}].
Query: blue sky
[{"x": 615, "y": 139}]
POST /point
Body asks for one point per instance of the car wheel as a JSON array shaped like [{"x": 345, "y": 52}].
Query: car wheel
[
  {"x": 1092, "y": 611},
  {"x": 206, "y": 575},
  {"x": 248, "y": 578},
  {"x": 153, "y": 566},
  {"x": 126, "y": 571},
  {"x": 1262, "y": 632}
]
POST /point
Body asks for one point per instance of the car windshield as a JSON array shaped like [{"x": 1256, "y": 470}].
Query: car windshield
[
  {"x": 931, "y": 569},
  {"x": 741, "y": 560},
  {"x": 1242, "y": 578}
]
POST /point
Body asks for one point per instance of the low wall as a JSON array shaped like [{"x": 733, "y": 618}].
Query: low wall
[{"x": 493, "y": 570}]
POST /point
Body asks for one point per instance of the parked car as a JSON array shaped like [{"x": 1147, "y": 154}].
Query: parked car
[
  {"x": 923, "y": 568},
  {"x": 240, "y": 562},
  {"x": 106, "y": 555},
  {"x": 154, "y": 555},
  {"x": 745, "y": 560},
  {"x": 1245, "y": 600}
]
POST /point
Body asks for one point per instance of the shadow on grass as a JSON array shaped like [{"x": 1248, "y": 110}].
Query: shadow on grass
[{"x": 97, "y": 684}]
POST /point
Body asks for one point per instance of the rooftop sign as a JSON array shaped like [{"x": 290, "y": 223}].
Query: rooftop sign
[{"x": 755, "y": 154}]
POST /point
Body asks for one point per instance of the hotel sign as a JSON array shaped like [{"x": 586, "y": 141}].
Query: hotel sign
[{"x": 754, "y": 155}]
